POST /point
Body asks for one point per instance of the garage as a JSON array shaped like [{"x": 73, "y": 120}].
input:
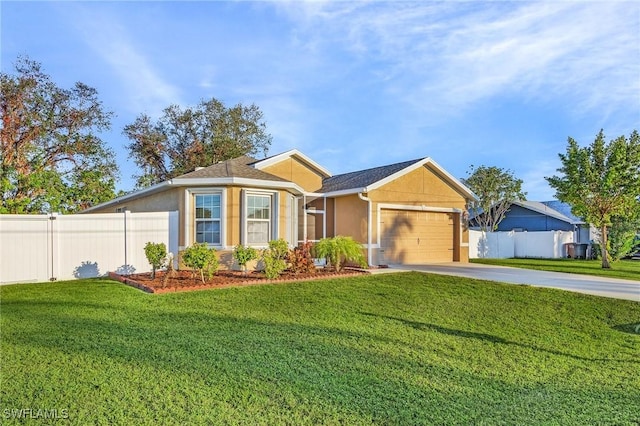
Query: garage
[{"x": 413, "y": 237}]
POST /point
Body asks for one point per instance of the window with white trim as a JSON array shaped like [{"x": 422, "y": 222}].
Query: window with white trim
[
  {"x": 207, "y": 218},
  {"x": 258, "y": 218}
]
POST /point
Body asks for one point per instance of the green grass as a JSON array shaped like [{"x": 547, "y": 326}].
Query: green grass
[
  {"x": 390, "y": 349},
  {"x": 625, "y": 269}
]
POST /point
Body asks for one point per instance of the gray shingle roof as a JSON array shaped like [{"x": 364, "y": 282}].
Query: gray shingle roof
[
  {"x": 240, "y": 167},
  {"x": 542, "y": 208},
  {"x": 362, "y": 178},
  {"x": 554, "y": 209},
  {"x": 562, "y": 208}
]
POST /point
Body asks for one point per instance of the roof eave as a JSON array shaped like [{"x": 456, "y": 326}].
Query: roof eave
[
  {"x": 341, "y": 193},
  {"x": 256, "y": 183}
]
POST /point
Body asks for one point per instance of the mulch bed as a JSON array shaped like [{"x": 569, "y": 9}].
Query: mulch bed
[{"x": 186, "y": 280}]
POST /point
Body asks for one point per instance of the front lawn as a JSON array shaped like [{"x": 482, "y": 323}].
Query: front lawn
[
  {"x": 625, "y": 269},
  {"x": 397, "y": 349}
]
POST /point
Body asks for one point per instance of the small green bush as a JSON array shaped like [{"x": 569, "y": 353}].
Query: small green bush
[
  {"x": 275, "y": 258},
  {"x": 156, "y": 255},
  {"x": 244, "y": 254},
  {"x": 279, "y": 248},
  {"x": 340, "y": 249},
  {"x": 199, "y": 256}
]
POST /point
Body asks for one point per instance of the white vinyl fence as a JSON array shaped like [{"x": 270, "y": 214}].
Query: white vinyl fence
[
  {"x": 37, "y": 248},
  {"x": 502, "y": 245}
]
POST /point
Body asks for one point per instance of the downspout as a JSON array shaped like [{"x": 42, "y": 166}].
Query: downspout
[{"x": 369, "y": 225}]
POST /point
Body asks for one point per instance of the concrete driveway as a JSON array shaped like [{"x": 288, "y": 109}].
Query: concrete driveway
[{"x": 599, "y": 286}]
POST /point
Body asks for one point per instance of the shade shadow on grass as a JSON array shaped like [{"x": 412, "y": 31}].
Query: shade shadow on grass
[
  {"x": 632, "y": 328},
  {"x": 492, "y": 338}
]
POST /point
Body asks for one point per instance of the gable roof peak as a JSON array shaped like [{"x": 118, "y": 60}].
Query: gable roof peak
[
  {"x": 369, "y": 179},
  {"x": 266, "y": 162}
]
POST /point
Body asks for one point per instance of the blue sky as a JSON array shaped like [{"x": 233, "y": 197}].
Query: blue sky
[{"x": 357, "y": 84}]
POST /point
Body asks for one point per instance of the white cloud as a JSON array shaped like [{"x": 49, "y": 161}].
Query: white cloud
[
  {"x": 534, "y": 182},
  {"x": 456, "y": 54},
  {"x": 145, "y": 87}
]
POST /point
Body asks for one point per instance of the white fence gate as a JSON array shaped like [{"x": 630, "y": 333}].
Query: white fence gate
[
  {"x": 502, "y": 245},
  {"x": 37, "y": 248}
]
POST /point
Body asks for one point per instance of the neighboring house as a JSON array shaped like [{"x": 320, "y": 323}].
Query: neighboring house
[
  {"x": 544, "y": 216},
  {"x": 410, "y": 212},
  {"x": 585, "y": 232}
]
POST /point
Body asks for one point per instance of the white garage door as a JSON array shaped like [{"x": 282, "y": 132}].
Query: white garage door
[{"x": 416, "y": 237}]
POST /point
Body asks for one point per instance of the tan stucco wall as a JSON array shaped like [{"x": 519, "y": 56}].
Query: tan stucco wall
[
  {"x": 330, "y": 217},
  {"x": 297, "y": 172},
  {"x": 168, "y": 200},
  {"x": 233, "y": 212},
  {"x": 351, "y": 217},
  {"x": 421, "y": 186}
]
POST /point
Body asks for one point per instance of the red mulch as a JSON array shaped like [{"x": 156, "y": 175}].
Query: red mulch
[{"x": 186, "y": 280}]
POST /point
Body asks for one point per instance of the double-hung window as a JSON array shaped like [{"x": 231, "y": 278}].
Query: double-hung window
[
  {"x": 258, "y": 218},
  {"x": 208, "y": 213}
]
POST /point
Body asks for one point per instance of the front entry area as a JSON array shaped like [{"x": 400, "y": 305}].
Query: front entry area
[{"x": 413, "y": 237}]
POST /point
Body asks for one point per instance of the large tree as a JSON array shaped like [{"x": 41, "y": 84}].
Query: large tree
[
  {"x": 623, "y": 233},
  {"x": 183, "y": 139},
  {"x": 496, "y": 189},
  {"x": 51, "y": 158},
  {"x": 601, "y": 182}
]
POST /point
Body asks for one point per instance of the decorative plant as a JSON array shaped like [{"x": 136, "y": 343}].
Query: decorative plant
[
  {"x": 156, "y": 255},
  {"x": 275, "y": 258},
  {"x": 243, "y": 255},
  {"x": 340, "y": 249},
  {"x": 301, "y": 260},
  {"x": 199, "y": 256},
  {"x": 170, "y": 271}
]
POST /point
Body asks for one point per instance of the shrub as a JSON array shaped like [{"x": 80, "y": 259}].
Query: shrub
[
  {"x": 156, "y": 255},
  {"x": 301, "y": 260},
  {"x": 275, "y": 258},
  {"x": 340, "y": 249},
  {"x": 199, "y": 256},
  {"x": 280, "y": 248},
  {"x": 243, "y": 255}
]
